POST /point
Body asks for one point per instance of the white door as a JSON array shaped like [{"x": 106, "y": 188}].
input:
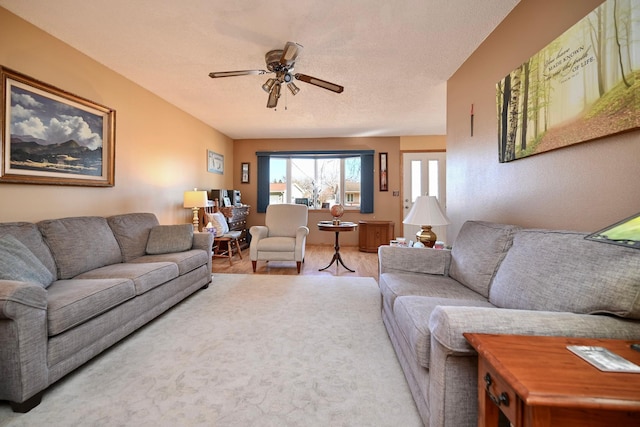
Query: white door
[{"x": 423, "y": 174}]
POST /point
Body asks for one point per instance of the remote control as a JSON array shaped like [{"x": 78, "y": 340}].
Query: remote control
[{"x": 636, "y": 347}]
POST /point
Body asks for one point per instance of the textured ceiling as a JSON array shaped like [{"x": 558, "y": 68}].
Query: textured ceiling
[{"x": 393, "y": 58}]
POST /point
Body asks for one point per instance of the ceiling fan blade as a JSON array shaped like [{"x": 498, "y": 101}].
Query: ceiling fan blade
[
  {"x": 290, "y": 53},
  {"x": 272, "y": 102},
  {"x": 219, "y": 74},
  {"x": 320, "y": 83}
]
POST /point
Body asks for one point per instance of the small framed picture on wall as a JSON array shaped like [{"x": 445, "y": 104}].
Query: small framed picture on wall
[
  {"x": 215, "y": 162},
  {"x": 244, "y": 173},
  {"x": 384, "y": 185}
]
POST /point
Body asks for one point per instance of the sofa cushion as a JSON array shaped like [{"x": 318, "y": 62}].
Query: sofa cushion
[
  {"x": 17, "y": 262},
  {"x": 30, "y": 236},
  {"x": 478, "y": 251},
  {"x": 145, "y": 276},
  {"x": 73, "y": 302},
  {"x": 132, "y": 233},
  {"x": 561, "y": 271},
  {"x": 170, "y": 238},
  {"x": 394, "y": 285},
  {"x": 186, "y": 261},
  {"x": 80, "y": 244},
  {"x": 412, "y": 315}
]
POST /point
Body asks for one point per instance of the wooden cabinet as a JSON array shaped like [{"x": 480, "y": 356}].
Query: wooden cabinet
[
  {"x": 237, "y": 220},
  {"x": 374, "y": 234}
]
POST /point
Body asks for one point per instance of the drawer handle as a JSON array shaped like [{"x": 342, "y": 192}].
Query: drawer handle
[{"x": 503, "y": 399}]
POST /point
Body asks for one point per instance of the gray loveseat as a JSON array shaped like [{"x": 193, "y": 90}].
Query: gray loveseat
[
  {"x": 72, "y": 287},
  {"x": 498, "y": 279}
]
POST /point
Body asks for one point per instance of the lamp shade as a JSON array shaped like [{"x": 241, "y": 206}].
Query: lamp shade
[
  {"x": 426, "y": 211},
  {"x": 195, "y": 199}
]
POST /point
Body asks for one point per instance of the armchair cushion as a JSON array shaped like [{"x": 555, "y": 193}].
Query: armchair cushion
[
  {"x": 284, "y": 220},
  {"x": 277, "y": 244}
]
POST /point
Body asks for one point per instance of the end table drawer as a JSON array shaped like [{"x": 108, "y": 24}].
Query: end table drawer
[{"x": 500, "y": 393}]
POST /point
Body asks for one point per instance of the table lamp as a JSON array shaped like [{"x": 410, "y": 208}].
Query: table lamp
[
  {"x": 195, "y": 200},
  {"x": 426, "y": 210}
]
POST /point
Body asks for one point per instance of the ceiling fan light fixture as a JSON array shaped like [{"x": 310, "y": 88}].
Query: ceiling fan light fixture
[
  {"x": 293, "y": 88},
  {"x": 281, "y": 62},
  {"x": 269, "y": 85},
  {"x": 273, "y": 96}
]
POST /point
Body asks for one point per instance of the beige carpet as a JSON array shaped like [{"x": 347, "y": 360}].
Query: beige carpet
[{"x": 252, "y": 350}]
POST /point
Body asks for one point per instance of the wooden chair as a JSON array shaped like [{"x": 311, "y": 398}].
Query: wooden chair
[{"x": 225, "y": 242}]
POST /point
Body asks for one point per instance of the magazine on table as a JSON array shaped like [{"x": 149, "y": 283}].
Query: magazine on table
[{"x": 604, "y": 359}]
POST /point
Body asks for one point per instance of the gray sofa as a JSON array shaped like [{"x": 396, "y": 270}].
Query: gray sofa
[
  {"x": 72, "y": 287},
  {"x": 498, "y": 279}
]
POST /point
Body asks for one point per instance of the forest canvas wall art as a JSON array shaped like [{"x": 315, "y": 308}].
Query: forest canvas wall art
[{"x": 582, "y": 86}]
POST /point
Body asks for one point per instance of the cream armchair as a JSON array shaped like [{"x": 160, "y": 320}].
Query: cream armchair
[{"x": 283, "y": 237}]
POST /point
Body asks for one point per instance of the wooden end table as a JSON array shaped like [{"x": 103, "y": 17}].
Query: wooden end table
[
  {"x": 536, "y": 381},
  {"x": 337, "y": 228}
]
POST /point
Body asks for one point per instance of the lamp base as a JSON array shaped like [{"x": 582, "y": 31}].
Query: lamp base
[
  {"x": 426, "y": 236},
  {"x": 196, "y": 220}
]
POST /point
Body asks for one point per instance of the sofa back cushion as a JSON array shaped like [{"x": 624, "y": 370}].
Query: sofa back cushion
[
  {"x": 17, "y": 262},
  {"x": 561, "y": 271},
  {"x": 132, "y": 233},
  {"x": 80, "y": 244},
  {"x": 29, "y": 235},
  {"x": 164, "y": 239},
  {"x": 477, "y": 253}
]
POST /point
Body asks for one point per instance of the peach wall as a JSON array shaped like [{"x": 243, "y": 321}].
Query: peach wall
[
  {"x": 582, "y": 187},
  {"x": 386, "y": 206},
  {"x": 423, "y": 142},
  {"x": 160, "y": 150}
]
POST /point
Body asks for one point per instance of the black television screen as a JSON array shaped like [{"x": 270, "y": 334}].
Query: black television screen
[{"x": 623, "y": 233}]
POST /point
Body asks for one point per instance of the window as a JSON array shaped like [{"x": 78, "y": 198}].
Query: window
[
  {"x": 315, "y": 181},
  {"x": 322, "y": 177}
]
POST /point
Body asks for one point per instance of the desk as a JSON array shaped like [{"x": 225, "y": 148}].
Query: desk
[
  {"x": 337, "y": 228},
  {"x": 535, "y": 381}
]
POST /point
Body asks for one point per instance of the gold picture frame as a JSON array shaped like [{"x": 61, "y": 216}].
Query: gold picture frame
[{"x": 50, "y": 136}]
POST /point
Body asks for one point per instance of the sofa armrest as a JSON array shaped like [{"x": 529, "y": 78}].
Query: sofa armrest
[
  {"x": 448, "y": 323},
  {"x": 23, "y": 340},
  {"x": 204, "y": 241},
  {"x": 413, "y": 260},
  {"x": 22, "y": 293}
]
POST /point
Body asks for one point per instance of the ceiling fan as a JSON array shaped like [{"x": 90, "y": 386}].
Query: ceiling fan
[{"x": 281, "y": 62}]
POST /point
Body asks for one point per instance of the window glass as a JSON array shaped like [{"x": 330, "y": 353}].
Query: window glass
[
  {"x": 318, "y": 182},
  {"x": 278, "y": 180}
]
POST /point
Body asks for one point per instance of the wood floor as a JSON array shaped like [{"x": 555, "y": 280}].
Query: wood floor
[{"x": 316, "y": 256}]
